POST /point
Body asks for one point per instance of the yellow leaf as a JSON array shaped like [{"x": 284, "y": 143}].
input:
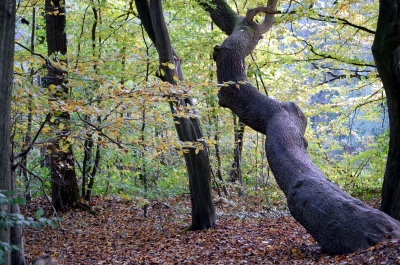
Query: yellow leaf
[
  {"x": 125, "y": 196},
  {"x": 171, "y": 66},
  {"x": 196, "y": 151}
]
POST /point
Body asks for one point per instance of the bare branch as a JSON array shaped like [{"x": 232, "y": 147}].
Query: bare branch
[
  {"x": 342, "y": 21},
  {"x": 34, "y": 139},
  {"x": 43, "y": 189},
  {"x": 33, "y": 53}
]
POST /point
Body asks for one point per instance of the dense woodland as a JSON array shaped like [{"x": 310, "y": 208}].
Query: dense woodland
[{"x": 132, "y": 125}]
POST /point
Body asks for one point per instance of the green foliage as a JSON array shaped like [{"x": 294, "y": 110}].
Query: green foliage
[
  {"x": 8, "y": 220},
  {"x": 117, "y": 102}
]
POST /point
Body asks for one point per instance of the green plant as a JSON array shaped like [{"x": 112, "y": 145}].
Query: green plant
[{"x": 8, "y": 220}]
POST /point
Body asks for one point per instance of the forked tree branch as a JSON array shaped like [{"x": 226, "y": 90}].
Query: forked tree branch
[{"x": 269, "y": 10}]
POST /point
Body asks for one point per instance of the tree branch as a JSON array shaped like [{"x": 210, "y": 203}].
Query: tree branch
[
  {"x": 221, "y": 14},
  {"x": 143, "y": 9},
  {"x": 269, "y": 11},
  {"x": 34, "y": 139},
  {"x": 34, "y": 53},
  {"x": 342, "y": 21}
]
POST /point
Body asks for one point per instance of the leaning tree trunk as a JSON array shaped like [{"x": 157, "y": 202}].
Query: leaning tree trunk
[
  {"x": 64, "y": 184},
  {"x": 386, "y": 51},
  {"x": 186, "y": 123},
  {"x": 338, "y": 222}
]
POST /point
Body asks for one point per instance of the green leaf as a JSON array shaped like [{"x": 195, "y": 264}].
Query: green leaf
[
  {"x": 19, "y": 200},
  {"x": 39, "y": 213},
  {"x": 17, "y": 247}
]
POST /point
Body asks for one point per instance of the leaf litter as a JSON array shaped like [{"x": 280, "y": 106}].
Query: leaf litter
[{"x": 119, "y": 234}]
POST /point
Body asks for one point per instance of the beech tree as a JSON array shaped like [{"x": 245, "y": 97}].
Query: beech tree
[
  {"x": 188, "y": 128},
  {"x": 65, "y": 191},
  {"x": 386, "y": 51},
  {"x": 338, "y": 222}
]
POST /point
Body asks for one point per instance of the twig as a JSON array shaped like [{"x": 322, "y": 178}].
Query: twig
[
  {"x": 44, "y": 191},
  {"x": 101, "y": 133},
  {"x": 34, "y": 53},
  {"x": 34, "y": 139}
]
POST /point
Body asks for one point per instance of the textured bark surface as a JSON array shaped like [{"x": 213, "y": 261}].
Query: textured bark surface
[
  {"x": 188, "y": 129},
  {"x": 7, "y": 33},
  {"x": 338, "y": 222},
  {"x": 64, "y": 184},
  {"x": 386, "y": 51}
]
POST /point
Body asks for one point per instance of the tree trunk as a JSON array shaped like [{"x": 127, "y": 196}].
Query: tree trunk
[
  {"x": 338, "y": 222},
  {"x": 188, "y": 128},
  {"x": 65, "y": 190},
  {"x": 386, "y": 51},
  {"x": 237, "y": 154},
  {"x": 7, "y": 33},
  {"x": 17, "y": 256}
]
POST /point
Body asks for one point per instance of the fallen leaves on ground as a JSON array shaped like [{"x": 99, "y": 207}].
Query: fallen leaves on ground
[{"x": 247, "y": 233}]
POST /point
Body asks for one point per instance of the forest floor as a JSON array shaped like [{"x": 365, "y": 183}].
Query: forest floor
[{"x": 250, "y": 231}]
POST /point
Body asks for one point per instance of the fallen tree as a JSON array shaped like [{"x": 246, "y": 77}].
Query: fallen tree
[{"x": 338, "y": 222}]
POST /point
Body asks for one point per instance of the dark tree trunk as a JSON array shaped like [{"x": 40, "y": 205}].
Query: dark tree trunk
[
  {"x": 65, "y": 190},
  {"x": 188, "y": 128},
  {"x": 386, "y": 51},
  {"x": 338, "y": 222},
  {"x": 93, "y": 173},
  {"x": 7, "y": 33},
  {"x": 236, "y": 174}
]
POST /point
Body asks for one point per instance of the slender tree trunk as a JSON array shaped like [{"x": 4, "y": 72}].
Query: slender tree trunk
[
  {"x": 95, "y": 168},
  {"x": 188, "y": 128},
  {"x": 213, "y": 119},
  {"x": 386, "y": 51},
  {"x": 338, "y": 222},
  {"x": 237, "y": 154},
  {"x": 65, "y": 191}
]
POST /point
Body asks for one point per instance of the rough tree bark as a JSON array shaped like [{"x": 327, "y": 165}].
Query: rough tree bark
[
  {"x": 7, "y": 33},
  {"x": 188, "y": 128},
  {"x": 7, "y": 178},
  {"x": 64, "y": 184},
  {"x": 386, "y": 51},
  {"x": 338, "y": 222}
]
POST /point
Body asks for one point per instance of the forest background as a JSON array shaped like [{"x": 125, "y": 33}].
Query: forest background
[
  {"x": 321, "y": 63},
  {"x": 121, "y": 132}
]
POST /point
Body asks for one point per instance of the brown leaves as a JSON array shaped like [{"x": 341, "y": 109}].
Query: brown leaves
[{"x": 119, "y": 235}]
